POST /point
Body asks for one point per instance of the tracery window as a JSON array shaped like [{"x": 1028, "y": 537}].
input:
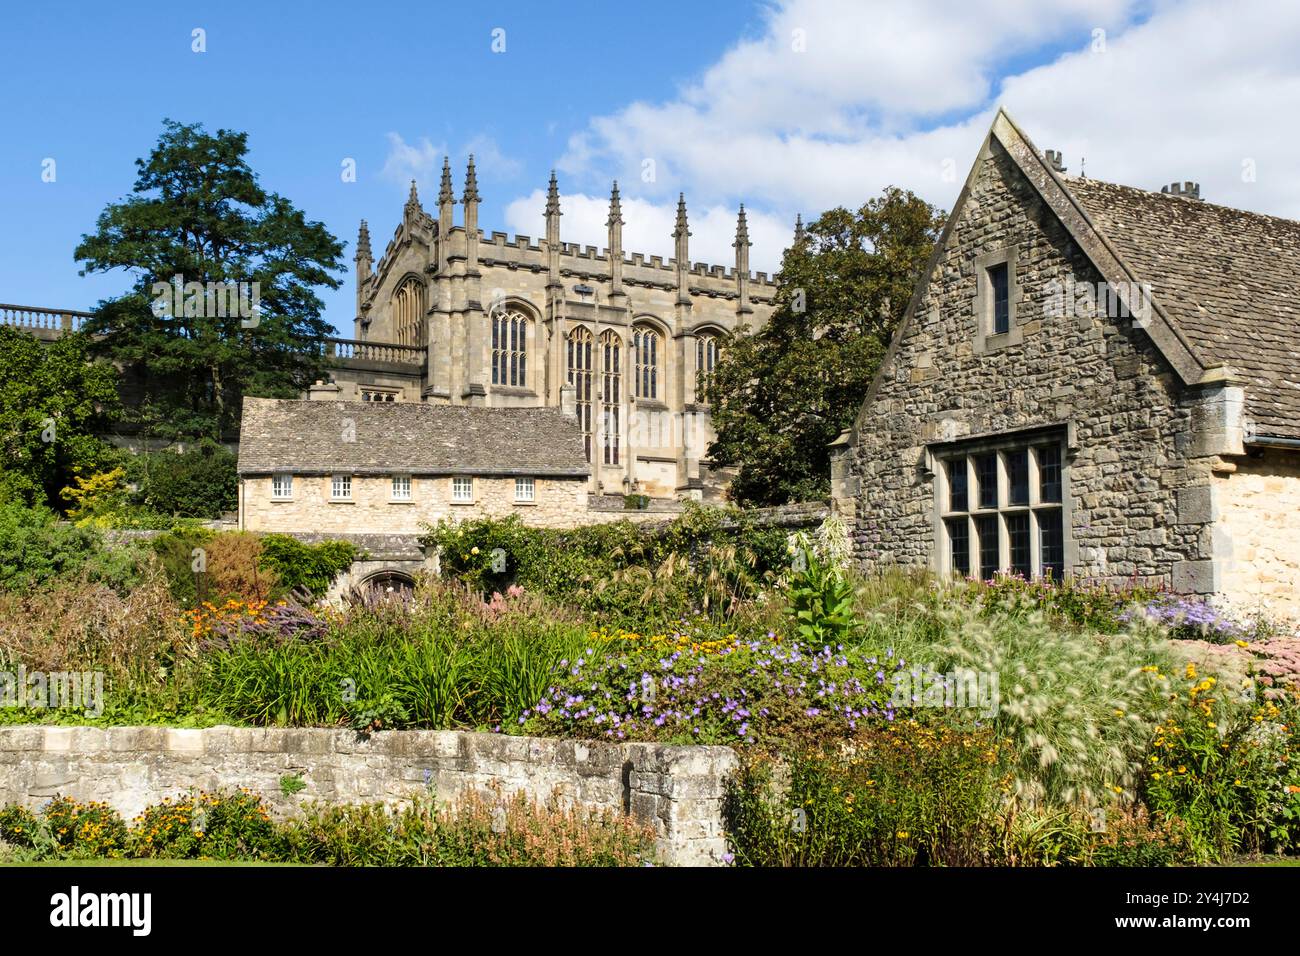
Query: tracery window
[
  {"x": 611, "y": 393},
  {"x": 647, "y": 344},
  {"x": 579, "y": 365},
  {"x": 707, "y": 351},
  {"x": 509, "y": 348},
  {"x": 408, "y": 313}
]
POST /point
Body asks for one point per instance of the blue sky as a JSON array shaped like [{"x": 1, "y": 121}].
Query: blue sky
[
  {"x": 312, "y": 83},
  {"x": 789, "y": 106}
]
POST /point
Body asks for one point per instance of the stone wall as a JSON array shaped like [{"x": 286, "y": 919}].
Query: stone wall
[
  {"x": 1099, "y": 379},
  {"x": 1257, "y": 532},
  {"x": 372, "y": 510},
  {"x": 677, "y": 789}
]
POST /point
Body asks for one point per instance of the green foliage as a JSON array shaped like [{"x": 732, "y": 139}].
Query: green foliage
[
  {"x": 292, "y": 783},
  {"x": 1075, "y": 602},
  {"x": 54, "y": 403},
  {"x": 1078, "y": 707},
  {"x": 821, "y": 602},
  {"x": 176, "y": 551},
  {"x": 906, "y": 794},
  {"x": 1069, "y": 836},
  {"x": 85, "y": 829},
  {"x": 197, "y": 211},
  {"x": 1231, "y": 773},
  {"x": 780, "y": 396},
  {"x": 199, "y": 482},
  {"x": 224, "y": 825},
  {"x": 311, "y": 567},
  {"x": 705, "y": 561},
  {"x": 445, "y": 661},
  {"x": 469, "y": 831},
  {"x": 37, "y": 551},
  {"x": 19, "y": 826}
]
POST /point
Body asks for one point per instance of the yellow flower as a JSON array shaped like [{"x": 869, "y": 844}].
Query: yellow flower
[
  {"x": 1241, "y": 643},
  {"x": 902, "y": 834}
]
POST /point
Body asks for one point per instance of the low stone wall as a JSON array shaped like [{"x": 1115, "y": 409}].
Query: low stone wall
[{"x": 678, "y": 789}]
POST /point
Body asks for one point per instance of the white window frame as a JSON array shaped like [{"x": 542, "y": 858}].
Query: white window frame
[
  {"x": 1003, "y": 510},
  {"x": 282, "y": 487},
  {"x": 340, "y": 481},
  {"x": 401, "y": 488},
  {"x": 458, "y": 483},
  {"x": 525, "y": 491}
]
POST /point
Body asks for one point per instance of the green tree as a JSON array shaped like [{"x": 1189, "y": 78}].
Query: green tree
[
  {"x": 780, "y": 396},
  {"x": 198, "y": 212},
  {"x": 54, "y": 402}
]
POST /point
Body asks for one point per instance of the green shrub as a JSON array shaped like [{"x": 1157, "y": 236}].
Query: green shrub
[
  {"x": 85, "y": 829},
  {"x": 906, "y": 794},
  {"x": 200, "y": 482},
  {"x": 705, "y": 561},
  {"x": 472, "y": 830},
  {"x": 176, "y": 550},
  {"x": 1110, "y": 836},
  {"x": 311, "y": 567},
  {"x": 1231, "y": 773},
  {"x": 19, "y": 826},
  {"x": 36, "y": 550},
  {"x": 224, "y": 825},
  {"x": 821, "y": 602}
]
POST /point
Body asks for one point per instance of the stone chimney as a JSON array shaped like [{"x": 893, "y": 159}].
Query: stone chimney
[
  {"x": 323, "y": 392},
  {"x": 1188, "y": 190},
  {"x": 1053, "y": 157},
  {"x": 569, "y": 402}
]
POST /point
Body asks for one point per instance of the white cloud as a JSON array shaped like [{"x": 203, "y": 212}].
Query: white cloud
[
  {"x": 886, "y": 93},
  {"x": 648, "y": 227},
  {"x": 489, "y": 160},
  {"x": 422, "y": 162}
]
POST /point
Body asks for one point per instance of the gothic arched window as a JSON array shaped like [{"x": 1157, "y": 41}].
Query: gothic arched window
[
  {"x": 509, "y": 348},
  {"x": 647, "y": 344},
  {"x": 408, "y": 313},
  {"x": 611, "y": 392},
  {"x": 707, "y": 351},
  {"x": 580, "y": 374}
]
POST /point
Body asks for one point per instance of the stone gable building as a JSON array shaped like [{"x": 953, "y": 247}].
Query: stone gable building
[
  {"x": 450, "y": 316},
  {"x": 1090, "y": 379},
  {"x": 366, "y": 468}
]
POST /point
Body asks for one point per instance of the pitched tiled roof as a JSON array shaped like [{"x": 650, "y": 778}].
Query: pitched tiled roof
[
  {"x": 1229, "y": 279},
  {"x": 313, "y": 437}
]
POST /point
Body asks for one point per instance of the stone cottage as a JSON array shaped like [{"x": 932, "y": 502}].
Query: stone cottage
[
  {"x": 378, "y": 468},
  {"x": 1093, "y": 380}
]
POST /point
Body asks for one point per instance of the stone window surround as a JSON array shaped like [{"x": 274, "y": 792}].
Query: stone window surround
[
  {"x": 457, "y": 482},
  {"x": 985, "y": 340},
  {"x": 937, "y": 454}
]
